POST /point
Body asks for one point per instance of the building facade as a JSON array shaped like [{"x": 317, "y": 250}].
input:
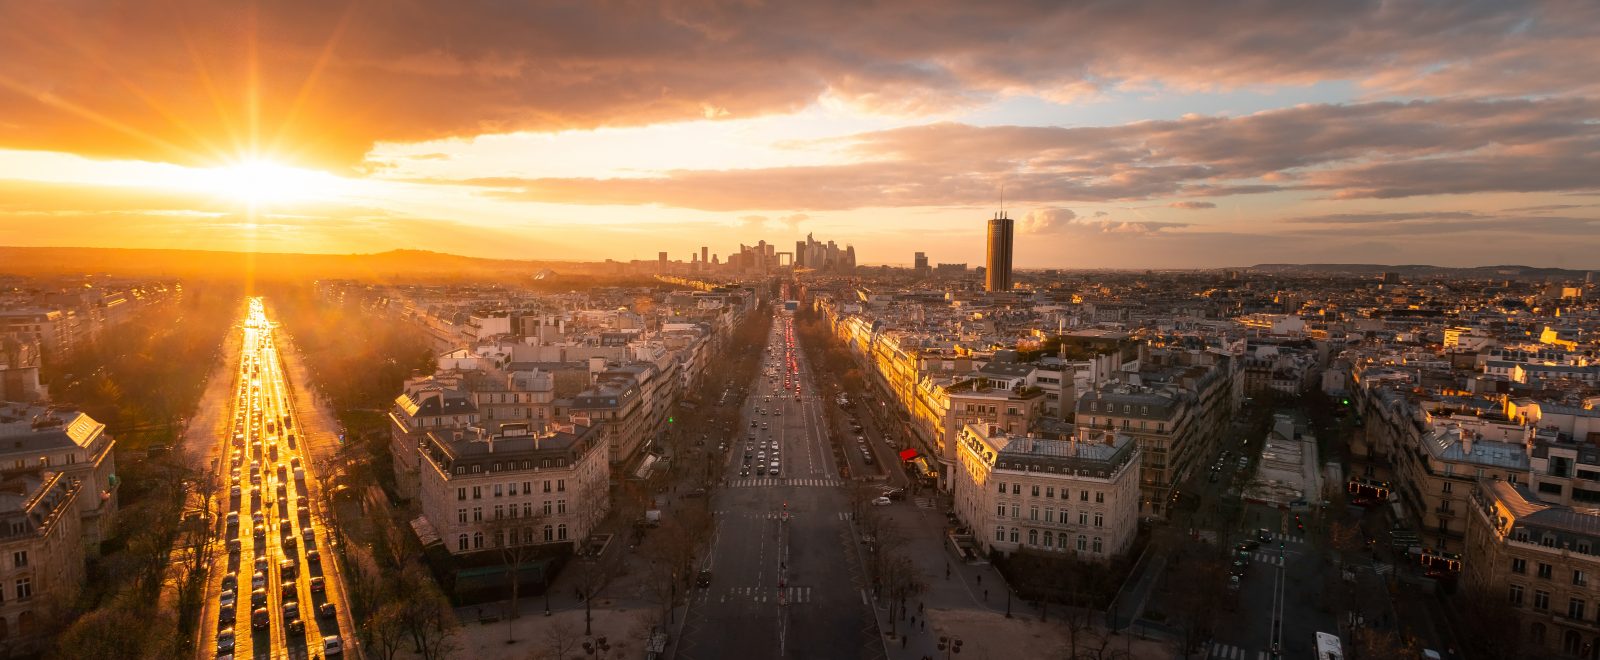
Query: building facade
[
  {"x": 1078, "y": 496},
  {"x": 997, "y": 273}
]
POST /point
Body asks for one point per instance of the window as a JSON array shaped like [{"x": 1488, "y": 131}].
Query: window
[
  {"x": 1050, "y": 491},
  {"x": 561, "y": 485},
  {"x": 1049, "y": 514},
  {"x": 477, "y": 540},
  {"x": 1063, "y": 518},
  {"x": 477, "y": 514},
  {"x": 1083, "y": 496},
  {"x": 549, "y": 533},
  {"x": 527, "y": 486},
  {"x": 1014, "y": 534},
  {"x": 1544, "y": 570},
  {"x": 1447, "y": 486},
  {"x": 1000, "y": 533},
  {"x": 561, "y": 532},
  {"x": 561, "y": 506},
  {"x": 1519, "y": 565},
  {"x": 1097, "y": 545},
  {"x": 1083, "y": 517},
  {"x": 1541, "y": 600},
  {"x": 1016, "y": 489},
  {"x": 1035, "y": 491},
  {"x": 461, "y": 515},
  {"x": 547, "y": 485},
  {"x": 547, "y": 508},
  {"x": 1033, "y": 513},
  {"x": 1099, "y": 519},
  {"x": 1002, "y": 487},
  {"x": 1000, "y": 510},
  {"x": 1014, "y": 511},
  {"x": 1099, "y": 497},
  {"x": 527, "y": 509},
  {"x": 477, "y": 492},
  {"x": 19, "y": 559},
  {"x": 461, "y": 493},
  {"x": 499, "y": 511},
  {"x": 1579, "y": 579},
  {"x": 1516, "y": 595},
  {"x": 1049, "y": 539},
  {"x": 1575, "y": 608},
  {"x": 1033, "y": 537},
  {"x": 497, "y": 492},
  {"x": 461, "y": 542},
  {"x": 1083, "y": 543}
]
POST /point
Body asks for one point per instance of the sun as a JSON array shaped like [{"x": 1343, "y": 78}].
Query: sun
[{"x": 263, "y": 182}]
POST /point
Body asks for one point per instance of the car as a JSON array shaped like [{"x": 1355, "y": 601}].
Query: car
[
  {"x": 225, "y": 615},
  {"x": 235, "y": 546},
  {"x": 327, "y": 611},
  {"x": 260, "y": 619},
  {"x": 703, "y": 579},
  {"x": 332, "y": 646},
  {"x": 261, "y": 563},
  {"x": 296, "y": 626},
  {"x": 1251, "y": 544},
  {"x": 317, "y": 585},
  {"x": 258, "y": 580},
  {"x": 882, "y": 501},
  {"x": 258, "y": 598},
  {"x": 227, "y": 597},
  {"x": 895, "y": 493},
  {"x": 761, "y": 470},
  {"x": 225, "y": 641},
  {"x": 1263, "y": 535},
  {"x": 1212, "y": 478},
  {"x": 291, "y": 609},
  {"x": 288, "y": 590}
]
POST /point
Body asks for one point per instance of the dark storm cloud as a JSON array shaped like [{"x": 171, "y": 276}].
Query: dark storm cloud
[{"x": 168, "y": 80}]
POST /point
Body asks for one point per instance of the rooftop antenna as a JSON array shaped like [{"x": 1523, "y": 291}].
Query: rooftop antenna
[{"x": 1002, "y": 200}]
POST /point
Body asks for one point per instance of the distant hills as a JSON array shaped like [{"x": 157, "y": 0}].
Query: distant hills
[
  {"x": 1511, "y": 272},
  {"x": 188, "y": 264}
]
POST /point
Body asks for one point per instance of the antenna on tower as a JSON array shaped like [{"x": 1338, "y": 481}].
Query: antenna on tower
[{"x": 1002, "y": 200}]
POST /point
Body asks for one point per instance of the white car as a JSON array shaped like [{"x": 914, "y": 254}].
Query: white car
[
  {"x": 332, "y": 646},
  {"x": 882, "y": 501}
]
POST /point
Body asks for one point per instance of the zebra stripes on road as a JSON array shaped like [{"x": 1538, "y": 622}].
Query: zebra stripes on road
[
  {"x": 1269, "y": 559},
  {"x": 782, "y": 481},
  {"x": 1288, "y": 538},
  {"x": 924, "y": 502},
  {"x": 1230, "y": 652},
  {"x": 791, "y": 595}
]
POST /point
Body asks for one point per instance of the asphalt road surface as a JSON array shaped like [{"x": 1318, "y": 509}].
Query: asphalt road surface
[
  {"x": 267, "y": 594},
  {"x": 786, "y": 580}
]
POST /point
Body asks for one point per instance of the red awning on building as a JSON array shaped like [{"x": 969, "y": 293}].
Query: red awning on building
[{"x": 908, "y": 454}]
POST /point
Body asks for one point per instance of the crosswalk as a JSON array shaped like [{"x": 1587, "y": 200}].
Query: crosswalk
[
  {"x": 924, "y": 502},
  {"x": 1382, "y": 568},
  {"x": 1270, "y": 559},
  {"x": 788, "y": 595},
  {"x": 1230, "y": 652},
  {"x": 1288, "y": 538},
  {"x": 782, "y": 481}
]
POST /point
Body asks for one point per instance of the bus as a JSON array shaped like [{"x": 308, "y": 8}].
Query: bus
[{"x": 1328, "y": 647}]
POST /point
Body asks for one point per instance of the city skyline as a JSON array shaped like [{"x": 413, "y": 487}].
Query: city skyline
[{"x": 1371, "y": 133}]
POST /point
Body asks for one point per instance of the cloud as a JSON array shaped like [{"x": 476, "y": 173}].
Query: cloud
[
  {"x": 1357, "y": 150},
  {"x": 173, "y": 82},
  {"x": 1044, "y": 221}
]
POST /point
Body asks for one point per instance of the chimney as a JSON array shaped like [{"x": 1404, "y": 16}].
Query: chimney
[{"x": 1466, "y": 441}]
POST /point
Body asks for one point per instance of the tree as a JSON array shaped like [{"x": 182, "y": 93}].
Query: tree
[
  {"x": 504, "y": 533},
  {"x": 425, "y": 614},
  {"x": 1194, "y": 600},
  {"x": 384, "y": 632},
  {"x": 559, "y": 641}
]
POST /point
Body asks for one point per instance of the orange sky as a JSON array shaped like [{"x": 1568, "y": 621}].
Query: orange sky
[{"x": 1135, "y": 134}]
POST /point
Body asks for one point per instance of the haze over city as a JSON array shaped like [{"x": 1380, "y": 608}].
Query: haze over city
[{"x": 1133, "y": 134}]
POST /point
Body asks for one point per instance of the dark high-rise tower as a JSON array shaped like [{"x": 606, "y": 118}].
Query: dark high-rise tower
[{"x": 997, "y": 274}]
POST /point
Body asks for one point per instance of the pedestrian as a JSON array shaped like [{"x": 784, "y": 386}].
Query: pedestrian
[
  {"x": 919, "y": 607},
  {"x": 980, "y": 579},
  {"x": 985, "y": 595},
  {"x": 924, "y": 623},
  {"x": 903, "y": 639}
]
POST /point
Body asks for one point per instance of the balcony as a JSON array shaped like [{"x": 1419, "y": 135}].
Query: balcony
[{"x": 1443, "y": 512}]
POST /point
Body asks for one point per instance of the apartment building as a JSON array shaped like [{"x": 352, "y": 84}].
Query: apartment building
[
  {"x": 1077, "y": 496},
  {"x": 424, "y": 404},
  {"x": 475, "y": 481},
  {"x": 41, "y": 553},
  {"x": 62, "y": 439},
  {"x": 1435, "y": 475},
  {"x": 1544, "y": 559},
  {"x": 1161, "y": 424},
  {"x": 975, "y": 402}
]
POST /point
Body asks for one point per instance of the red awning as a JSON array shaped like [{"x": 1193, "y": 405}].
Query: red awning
[{"x": 908, "y": 454}]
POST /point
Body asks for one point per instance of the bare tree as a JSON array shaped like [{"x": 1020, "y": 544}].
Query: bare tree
[
  {"x": 504, "y": 532},
  {"x": 384, "y": 632},
  {"x": 1194, "y": 600},
  {"x": 559, "y": 641}
]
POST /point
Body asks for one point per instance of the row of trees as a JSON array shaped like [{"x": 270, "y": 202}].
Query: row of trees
[{"x": 357, "y": 359}]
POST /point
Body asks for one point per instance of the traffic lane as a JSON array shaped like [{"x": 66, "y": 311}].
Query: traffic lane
[{"x": 832, "y": 622}]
